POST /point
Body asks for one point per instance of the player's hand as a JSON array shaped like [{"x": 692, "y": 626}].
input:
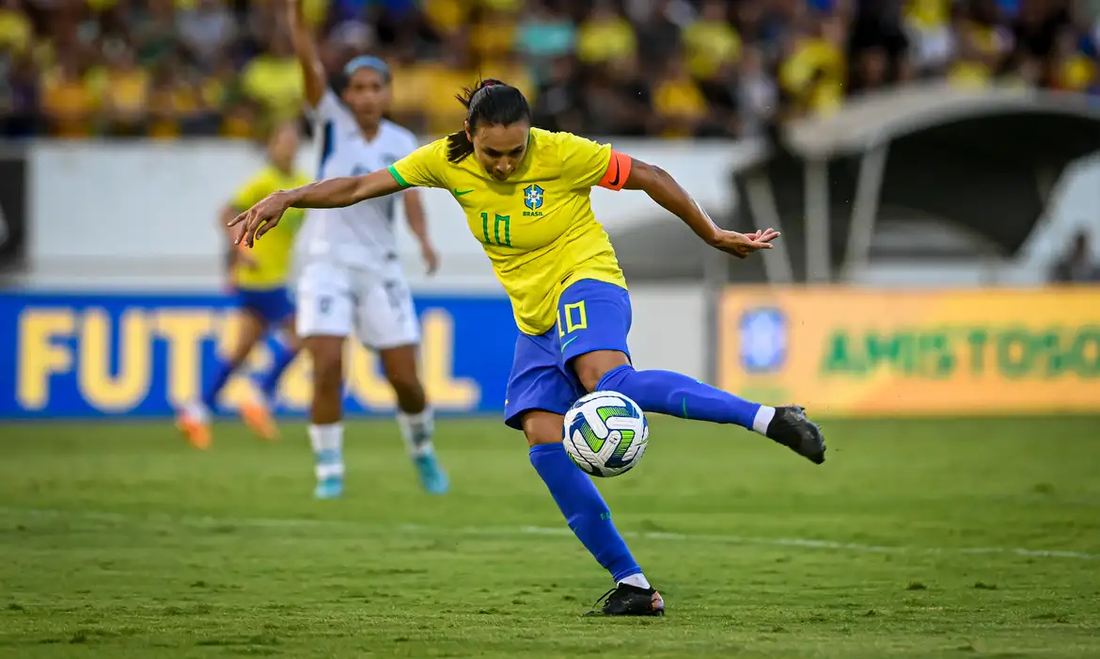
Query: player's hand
[
  {"x": 743, "y": 244},
  {"x": 260, "y": 219},
  {"x": 430, "y": 256}
]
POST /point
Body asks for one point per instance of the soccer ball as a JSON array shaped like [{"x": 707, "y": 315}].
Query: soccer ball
[{"x": 605, "y": 433}]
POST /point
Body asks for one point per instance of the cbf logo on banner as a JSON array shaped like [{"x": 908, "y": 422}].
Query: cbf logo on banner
[
  {"x": 877, "y": 353},
  {"x": 68, "y": 356}
]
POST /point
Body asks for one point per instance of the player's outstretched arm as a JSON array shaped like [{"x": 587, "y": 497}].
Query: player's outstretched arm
[
  {"x": 329, "y": 193},
  {"x": 313, "y": 69},
  {"x": 663, "y": 189}
]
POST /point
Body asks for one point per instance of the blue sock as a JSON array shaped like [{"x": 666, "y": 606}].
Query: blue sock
[
  {"x": 221, "y": 377},
  {"x": 281, "y": 358},
  {"x": 584, "y": 509},
  {"x": 674, "y": 394}
]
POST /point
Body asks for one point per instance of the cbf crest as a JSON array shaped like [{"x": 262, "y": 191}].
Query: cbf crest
[
  {"x": 532, "y": 199},
  {"x": 764, "y": 337}
]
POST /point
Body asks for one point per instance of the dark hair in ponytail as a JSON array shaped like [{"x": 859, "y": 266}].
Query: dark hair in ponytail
[{"x": 489, "y": 102}]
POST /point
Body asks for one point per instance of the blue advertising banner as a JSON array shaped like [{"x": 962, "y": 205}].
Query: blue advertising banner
[{"x": 66, "y": 356}]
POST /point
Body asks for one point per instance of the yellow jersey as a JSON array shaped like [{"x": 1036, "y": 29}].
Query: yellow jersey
[
  {"x": 537, "y": 228},
  {"x": 271, "y": 255}
]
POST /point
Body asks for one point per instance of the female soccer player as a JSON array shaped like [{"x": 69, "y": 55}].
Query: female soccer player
[
  {"x": 525, "y": 192},
  {"x": 350, "y": 277},
  {"x": 259, "y": 281}
]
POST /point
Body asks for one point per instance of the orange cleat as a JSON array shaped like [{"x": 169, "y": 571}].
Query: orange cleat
[
  {"x": 258, "y": 419},
  {"x": 195, "y": 430}
]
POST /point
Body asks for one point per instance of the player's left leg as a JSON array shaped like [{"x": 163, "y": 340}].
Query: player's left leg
[
  {"x": 594, "y": 321},
  {"x": 257, "y": 412},
  {"x": 539, "y": 393},
  {"x": 387, "y": 323}
]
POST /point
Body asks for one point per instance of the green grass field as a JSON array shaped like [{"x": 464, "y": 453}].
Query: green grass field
[{"x": 916, "y": 539}]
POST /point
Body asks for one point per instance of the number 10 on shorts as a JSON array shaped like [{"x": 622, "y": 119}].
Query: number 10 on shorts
[{"x": 572, "y": 317}]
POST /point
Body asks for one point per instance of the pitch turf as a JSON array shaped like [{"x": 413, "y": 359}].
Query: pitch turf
[{"x": 916, "y": 539}]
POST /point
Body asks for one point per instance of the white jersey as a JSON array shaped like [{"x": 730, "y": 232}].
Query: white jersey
[{"x": 361, "y": 235}]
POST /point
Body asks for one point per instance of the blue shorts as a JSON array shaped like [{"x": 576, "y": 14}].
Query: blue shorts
[
  {"x": 592, "y": 315},
  {"x": 272, "y": 305}
]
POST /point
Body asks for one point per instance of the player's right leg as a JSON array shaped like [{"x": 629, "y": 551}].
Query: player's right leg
[
  {"x": 597, "y": 317},
  {"x": 539, "y": 394},
  {"x": 193, "y": 419},
  {"x": 324, "y": 320},
  {"x": 387, "y": 323}
]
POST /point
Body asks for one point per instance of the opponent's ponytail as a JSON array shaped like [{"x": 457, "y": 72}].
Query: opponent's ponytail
[{"x": 492, "y": 102}]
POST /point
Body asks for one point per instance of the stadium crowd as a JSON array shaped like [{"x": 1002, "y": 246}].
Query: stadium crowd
[{"x": 175, "y": 68}]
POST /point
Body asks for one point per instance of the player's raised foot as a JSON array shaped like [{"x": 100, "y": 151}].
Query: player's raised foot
[
  {"x": 329, "y": 488},
  {"x": 792, "y": 429},
  {"x": 195, "y": 427},
  {"x": 627, "y": 600},
  {"x": 258, "y": 419},
  {"x": 432, "y": 477}
]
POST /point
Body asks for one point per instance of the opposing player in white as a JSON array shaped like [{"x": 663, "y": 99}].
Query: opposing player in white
[{"x": 349, "y": 278}]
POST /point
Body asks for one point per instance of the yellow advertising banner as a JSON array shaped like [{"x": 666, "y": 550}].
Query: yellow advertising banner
[{"x": 866, "y": 352}]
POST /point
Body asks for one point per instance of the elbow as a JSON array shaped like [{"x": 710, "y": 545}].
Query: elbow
[{"x": 362, "y": 189}]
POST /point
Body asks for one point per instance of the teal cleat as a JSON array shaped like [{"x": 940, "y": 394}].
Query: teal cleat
[
  {"x": 329, "y": 488},
  {"x": 432, "y": 476}
]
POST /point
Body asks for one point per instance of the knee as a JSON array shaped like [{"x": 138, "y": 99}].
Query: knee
[
  {"x": 592, "y": 367},
  {"x": 405, "y": 383},
  {"x": 542, "y": 428},
  {"x": 404, "y": 378},
  {"x": 328, "y": 357}
]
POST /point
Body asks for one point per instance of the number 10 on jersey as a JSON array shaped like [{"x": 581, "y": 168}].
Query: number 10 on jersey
[{"x": 498, "y": 231}]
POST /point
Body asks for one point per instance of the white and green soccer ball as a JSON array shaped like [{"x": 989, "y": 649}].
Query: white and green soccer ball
[{"x": 605, "y": 433}]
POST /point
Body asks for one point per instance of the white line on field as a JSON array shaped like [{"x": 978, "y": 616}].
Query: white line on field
[{"x": 520, "y": 531}]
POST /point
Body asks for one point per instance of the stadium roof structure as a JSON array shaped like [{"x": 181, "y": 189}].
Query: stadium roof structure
[{"x": 985, "y": 161}]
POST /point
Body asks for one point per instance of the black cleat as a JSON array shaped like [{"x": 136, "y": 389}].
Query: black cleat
[
  {"x": 625, "y": 600},
  {"x": 792, "y": 429}
]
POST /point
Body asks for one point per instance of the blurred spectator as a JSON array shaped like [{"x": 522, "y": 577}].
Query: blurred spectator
[
  {"x": 16, "y": 29},
  {"x": 206, "y": 30},
  {"x": 125, "y": 92},
  {"x": 711, "y": 42},
  {"x": 68, "y": 101},
  {"x": 154, "y": 31},
  {"x": 757, "y": 94},
  {"x": 544, "y": 36},
  {"x": 1078, "y": 265},
  {"x": 558, "y": 106},
  {"x": 679, "y": 104},
  {"x": 19, "y": 103},
  {"x": 274, "y": 80},
  {"x": 605, "y": 35},
  {"x": 813, "y": 72}
]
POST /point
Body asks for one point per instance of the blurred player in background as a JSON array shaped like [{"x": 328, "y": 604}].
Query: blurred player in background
[
  {"x": 259, "y": 281},
  {"x": 350, "y": 277},
  {"x": 525, "y": 193}
]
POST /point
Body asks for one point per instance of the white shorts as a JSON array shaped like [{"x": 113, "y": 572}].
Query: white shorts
[{"x": 332, "y": 299}]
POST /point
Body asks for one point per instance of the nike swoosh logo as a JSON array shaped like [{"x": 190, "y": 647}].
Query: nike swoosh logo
[
  {"x": 616, "y": 179},
  {"x": 563, "y": 346},
  {"x": 459, "y": 193}
]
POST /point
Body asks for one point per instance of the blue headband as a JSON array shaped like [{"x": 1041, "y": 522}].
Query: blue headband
[{"x": 369, "y": 62}]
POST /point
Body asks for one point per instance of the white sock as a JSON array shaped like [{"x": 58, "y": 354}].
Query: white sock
[
  {"x": 637, "y": 580},
  {"x": 763, "y": 417},
  {"x": 417, "y": 431},
  {"x": 328, "y": 449}
]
